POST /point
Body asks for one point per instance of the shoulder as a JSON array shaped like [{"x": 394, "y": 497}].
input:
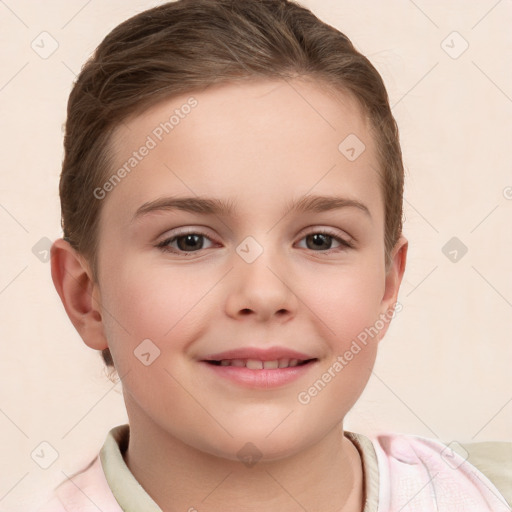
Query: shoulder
[
  {"x": 85, "y": 491},
  {"x": 493, "y": 459},
  {"x": 447, "y": 473}
]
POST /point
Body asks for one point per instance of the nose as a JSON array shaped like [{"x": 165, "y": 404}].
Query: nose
[{"x": 261, "y": 289}]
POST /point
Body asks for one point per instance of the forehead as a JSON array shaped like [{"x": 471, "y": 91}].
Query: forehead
[
  {"x": 255, "y": 105},
  {"x": 253, "y": 143}
]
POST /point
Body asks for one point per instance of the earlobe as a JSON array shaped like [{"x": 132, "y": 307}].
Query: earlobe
[{"x": 78, "y": 293}]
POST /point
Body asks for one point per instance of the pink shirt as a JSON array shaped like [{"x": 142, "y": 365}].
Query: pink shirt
[{"x": 402, "y": 473}]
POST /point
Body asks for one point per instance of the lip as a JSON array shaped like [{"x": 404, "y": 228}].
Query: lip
[
  {"x": 264, "y": 378},
  {"x": 260, "y": 379},
  {"x": 263, "y": 354}
]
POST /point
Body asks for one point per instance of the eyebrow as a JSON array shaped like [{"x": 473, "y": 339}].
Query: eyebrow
[{"x": 214, "y": 206}]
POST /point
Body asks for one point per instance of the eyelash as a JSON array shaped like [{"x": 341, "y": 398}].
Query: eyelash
[{"x": 164, "y": 244}]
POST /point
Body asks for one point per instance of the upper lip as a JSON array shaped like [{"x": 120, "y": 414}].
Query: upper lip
[{"x": 261, "y": 354}]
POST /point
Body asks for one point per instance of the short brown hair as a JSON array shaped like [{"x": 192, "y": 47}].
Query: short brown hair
[{"x": 186, "y": 45}]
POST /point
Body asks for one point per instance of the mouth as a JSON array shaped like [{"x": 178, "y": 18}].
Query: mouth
[
  {"x": 259, "y": 368},
  {"x": 257, "y": 364}
]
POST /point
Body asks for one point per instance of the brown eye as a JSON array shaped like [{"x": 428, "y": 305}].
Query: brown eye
[
  {"x": 321, "y": 241},
  {"x": 185, "y": 243},
  {"x": 190, "y": 242}
]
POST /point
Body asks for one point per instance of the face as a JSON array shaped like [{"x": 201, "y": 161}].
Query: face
[{"x": 256, "y": 280}]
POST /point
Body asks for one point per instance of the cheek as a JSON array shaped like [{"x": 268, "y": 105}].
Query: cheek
[
  {"x": 348, "y": 309},
  {"x": 140, "y": 303},
  {"x": 345, "y": 300}
]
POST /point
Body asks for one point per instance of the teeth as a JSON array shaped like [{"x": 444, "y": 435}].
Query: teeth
[{"x": 255, "y": 364}]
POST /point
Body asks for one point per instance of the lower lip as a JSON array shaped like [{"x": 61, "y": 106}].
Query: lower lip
[{"x": 265, "y": 379}]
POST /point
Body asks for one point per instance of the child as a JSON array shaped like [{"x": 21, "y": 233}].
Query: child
[{"x": 257, "y": 132}]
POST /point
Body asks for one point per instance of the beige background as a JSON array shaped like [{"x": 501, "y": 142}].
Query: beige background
[{"x": 443, "y": 370}]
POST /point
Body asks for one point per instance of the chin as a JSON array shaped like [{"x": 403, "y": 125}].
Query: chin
[{"x": 254, "y": 445}]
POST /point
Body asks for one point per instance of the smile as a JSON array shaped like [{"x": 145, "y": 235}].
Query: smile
[
  {"x": 257, "y": 373},
  {"x": 256, "y": 364}
]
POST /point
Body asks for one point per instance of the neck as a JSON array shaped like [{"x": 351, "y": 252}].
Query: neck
[{"x": 326, "y": 476}]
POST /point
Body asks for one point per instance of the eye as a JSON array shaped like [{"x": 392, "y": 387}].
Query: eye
[
  {"x": 186, "y": 242},
  {"x": 323, "y": 240},
  {"x": 189, "y": 242}
]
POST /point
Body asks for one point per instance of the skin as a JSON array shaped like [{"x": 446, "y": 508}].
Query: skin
[{"x": 259, "y": 145}]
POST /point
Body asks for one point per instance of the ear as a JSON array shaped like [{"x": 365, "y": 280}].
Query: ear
[
  {"x": 394, "y": 276},
  {"x": 79, "y": 294}
]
